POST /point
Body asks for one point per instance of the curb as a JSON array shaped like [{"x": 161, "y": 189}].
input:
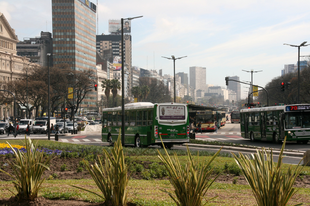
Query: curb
[{"x": 239, "y": 149}]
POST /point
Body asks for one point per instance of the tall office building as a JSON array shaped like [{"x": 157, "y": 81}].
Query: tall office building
[
  {"x": 36, "y": 49},
  {"x": 74, "y": 38},
  {"x": 235, "y": 86},
  {"x": 198, "y": 77},
  {"x": 111, "y": 46}
]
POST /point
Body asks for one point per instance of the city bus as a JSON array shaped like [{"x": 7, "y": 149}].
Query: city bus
[
  {"x": 274, "y": 123},
  {"x": 209, "y": 118},
  {"x": 222, "y": 114},
  {"x": 235, "y": 117},
  {"x": 146, "y": 122}
]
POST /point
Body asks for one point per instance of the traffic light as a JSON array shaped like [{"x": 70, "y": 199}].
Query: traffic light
[
  {"x": 66, "y": 109},
  {"x": 226, "y": 79},
  {"x": 287, "y": 85},
  {"x": 95, "y": 87},
  {"x": 282, "y": 86}
]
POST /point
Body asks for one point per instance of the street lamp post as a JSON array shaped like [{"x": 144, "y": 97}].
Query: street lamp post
[
  {"x": 48, "y": 98},
  {"x": 298, "y": 46},
  {"x": 251, "y": 86},
  {"x": 173, "y": 58},
  {"x": 123, "y": 87}
]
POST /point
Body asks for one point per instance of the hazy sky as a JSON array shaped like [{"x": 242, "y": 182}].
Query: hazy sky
[{"x": 225, "y": 36}]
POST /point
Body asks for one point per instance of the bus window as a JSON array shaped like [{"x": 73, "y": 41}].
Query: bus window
[
  {"x": 119, "y": 118},
  {"x": 256, "y": 117},
  {"x": 150, "y": 117},
  {"x": 144, "y": 118},
  {"x": 109, "y": 119},
  {"x": 127, "y": 118},
  {"x": 275, "y": 118},
  {"x": 269, "y": 120},
  {"x": 139, "y": 118},
  {"x": 132, "y": 118},
  {"x": 114, "y": 118}
]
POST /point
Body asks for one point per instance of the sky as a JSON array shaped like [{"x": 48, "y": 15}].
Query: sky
[{"x": 224, "y": 36}]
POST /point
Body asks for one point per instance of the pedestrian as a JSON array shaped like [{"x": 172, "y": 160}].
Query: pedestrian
[
  {"x": 57, "y": 129},
  {"x": 10, "y": 128},
  {"x": 199, "y": 127},
  {"x": 28, "y": 130},
  {"x": 17, "y": 128},
  {"x": 52, "y": 128}
]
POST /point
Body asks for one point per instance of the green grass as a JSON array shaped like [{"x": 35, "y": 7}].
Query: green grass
[{"x": 148, "y": 192}]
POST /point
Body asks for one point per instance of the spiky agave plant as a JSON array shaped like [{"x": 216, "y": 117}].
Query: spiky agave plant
[
  {"x": 190, "y": 182},
  {"x": 111, "y": 177},
  {"x": 271, "y": 186},
  {"x": 28, "y": 169}
]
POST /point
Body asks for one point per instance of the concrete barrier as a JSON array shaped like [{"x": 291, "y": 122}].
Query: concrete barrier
[{"x": 307, "y": 158}]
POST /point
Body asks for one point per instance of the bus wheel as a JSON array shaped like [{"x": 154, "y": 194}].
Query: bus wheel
[
  {"x": 137, "y": 142},
  {"x": 276, "y": 138},
  {"x": 252, "y": 137}
]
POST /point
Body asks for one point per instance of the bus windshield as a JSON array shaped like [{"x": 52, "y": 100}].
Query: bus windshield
[
  {"x": 205, "y": 118},
  {"x": 295, "y": 120},
  {"x": 235, "y": 115},
  {"x": 171, "y": 112}
]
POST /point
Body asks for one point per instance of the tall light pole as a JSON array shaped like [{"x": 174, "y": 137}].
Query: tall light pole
[
  {"x": 251, "y": 86},
  {"x": 48, "y": 97},
  {"x": 123, "y": 87},
  {"x": 173, "y": 58},
  {"x": 298, "y": 46}
]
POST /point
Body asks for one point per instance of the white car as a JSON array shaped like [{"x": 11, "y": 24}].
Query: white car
[{"x": 69, "y": 125}]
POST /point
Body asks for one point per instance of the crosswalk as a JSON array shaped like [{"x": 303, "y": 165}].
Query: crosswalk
[{"x": 80, "y": 140}]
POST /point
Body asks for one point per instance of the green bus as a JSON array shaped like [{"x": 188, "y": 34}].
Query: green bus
[
  {"x": 145, "y": 122},
  {"x": 274, "y": 123}
]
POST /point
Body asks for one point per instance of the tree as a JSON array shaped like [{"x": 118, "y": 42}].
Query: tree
[
  {"x": 116, "y": 85},
  {"x": 136, "y": 92},
  {"x": 145, "y": 91},
  {"x": 106, "y": 86}
]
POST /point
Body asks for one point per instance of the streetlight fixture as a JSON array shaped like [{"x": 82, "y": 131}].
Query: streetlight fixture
[
  {"x": 251, "y": 86},
  {"x": 123, "y": 87},
  {"x": 173, "y": 58},
  {"x": 298, "y": 46},
  {"x": 48, "y": 98}
]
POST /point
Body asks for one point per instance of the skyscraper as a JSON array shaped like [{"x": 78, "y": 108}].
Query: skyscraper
[
  {"x": 74, "y": 37},
  {"x": 198, "y": 77},
  {"x": 235, "y": 86}
]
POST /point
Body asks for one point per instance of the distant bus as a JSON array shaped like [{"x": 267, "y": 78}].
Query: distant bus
[
  {"x": 235, "y": 117},
  {"x": 209, "y": 118},
  {"x": 145, "y": 122},
  {"x": 276, "y": 122},
  {"x": 222, "y": 115}
]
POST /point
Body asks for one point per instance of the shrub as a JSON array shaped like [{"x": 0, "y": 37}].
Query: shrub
[
  {"x": 111, "y": 177},
  {"x": 190, "y": 182},
  {"x": 139, "y": 168},
  {"x": 63, "y": 167},
  {"x": 269, "y": 183},
  {"x": 28, "y": 169},
  {"x": 234, "y": 169},
  {"x": 146, "y": 174},
  {"x": 235, "y": 180},
  {"x": 79, "y": 169},
  {"x": 55, "y": 176}
]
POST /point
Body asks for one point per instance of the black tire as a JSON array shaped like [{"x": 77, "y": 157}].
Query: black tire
[
  {"x": 276, "y": 138},
  {"x": 138, "y": 142},
  {"x": 34, "y": 132},
  {"x": 252, "y": 137}
]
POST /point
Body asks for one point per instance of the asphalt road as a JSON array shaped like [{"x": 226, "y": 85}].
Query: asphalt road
[{"x": 230, "y": 133}]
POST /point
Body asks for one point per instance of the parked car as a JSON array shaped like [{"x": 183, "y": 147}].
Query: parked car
[
  {"x": 3, "y": 127},
  {"x": 70, "y": 126},
  {"x": 23, "y": 123},
  {"x": 62, "y": 128}
]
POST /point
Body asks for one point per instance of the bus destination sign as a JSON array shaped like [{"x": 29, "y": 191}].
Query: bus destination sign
[
  {"x": 297, "y": 108},
  {"x": 171, "y": 112}
]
